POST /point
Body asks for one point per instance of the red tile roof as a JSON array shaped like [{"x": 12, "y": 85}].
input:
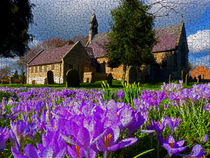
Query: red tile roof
[{"x": 50, "y": 56}]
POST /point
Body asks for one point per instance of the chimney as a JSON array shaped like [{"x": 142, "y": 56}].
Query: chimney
[{"x": 93, "y": 30}]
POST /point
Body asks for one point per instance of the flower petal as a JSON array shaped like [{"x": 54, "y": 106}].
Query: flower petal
[
  {"x": 147, "y": 131},
  {"x": 30, "y": 151},
  {"x": 122, "y": 144}
]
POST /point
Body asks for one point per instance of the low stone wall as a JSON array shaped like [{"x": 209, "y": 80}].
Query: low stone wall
[
  {"x": 41, "y": 80},
  {"x": 94, "y": 76}
]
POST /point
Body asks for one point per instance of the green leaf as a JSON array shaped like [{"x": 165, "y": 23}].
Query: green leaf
[{"x": 145, "y": 152}]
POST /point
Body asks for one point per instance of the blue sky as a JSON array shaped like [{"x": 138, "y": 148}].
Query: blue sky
[{"x": 68, "y": 18}]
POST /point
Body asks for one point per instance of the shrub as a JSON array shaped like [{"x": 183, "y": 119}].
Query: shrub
[
  {"x": 109, "y": 79},
  {"x": 4, "y": 81},
  {"x": 72, "y": 78},
  {"x": 17, "y": 81}
]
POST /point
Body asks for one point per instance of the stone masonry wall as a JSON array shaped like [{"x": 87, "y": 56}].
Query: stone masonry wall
[
  {"x": 161, "y": 55},
  {"x": 39, "y": 73},
  {"x": 116, "y": 72},
  {"x": 77, "y": 59}
]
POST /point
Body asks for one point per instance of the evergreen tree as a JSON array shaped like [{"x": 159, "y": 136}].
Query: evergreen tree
[
  {"x": 15, "y": 19},
  {"x": 132, "y": 36}
]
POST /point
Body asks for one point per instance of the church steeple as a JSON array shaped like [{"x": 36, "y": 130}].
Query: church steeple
[
  {"x": 93, "y": 30},
  {"x": 182, "y": 21}
]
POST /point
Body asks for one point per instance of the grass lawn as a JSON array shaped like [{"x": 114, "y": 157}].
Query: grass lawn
[{"x": 116, "y": 84}]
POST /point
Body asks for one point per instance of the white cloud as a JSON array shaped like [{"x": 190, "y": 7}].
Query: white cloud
[
  {"x": 33, "y": 43},
  {"x": 11, "y": 62},
  {"x": 205, "y": 61},
  {"x": 200, "y": 41}
]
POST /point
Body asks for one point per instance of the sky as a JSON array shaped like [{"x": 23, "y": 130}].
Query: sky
[{"x": 68, "y": 18}]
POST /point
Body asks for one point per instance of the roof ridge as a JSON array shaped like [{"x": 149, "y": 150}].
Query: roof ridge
[
  {"x": 167, "y": 26},
  {"x": 35, "y": 56}
]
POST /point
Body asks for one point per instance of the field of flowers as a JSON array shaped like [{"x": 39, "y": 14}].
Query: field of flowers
[{"x": 75, "y": 123}]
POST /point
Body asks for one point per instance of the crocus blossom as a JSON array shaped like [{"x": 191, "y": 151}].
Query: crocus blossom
[
  {"x": 4, "y": 135},
  {"x": 172, "y": 146},
  {"x": 197, "y": 152}
]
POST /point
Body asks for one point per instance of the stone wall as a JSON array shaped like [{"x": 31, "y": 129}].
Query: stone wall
[
  {"x": 76, "y": 59},
  {"x": 116, "y": 72},
  {"x": 39, "y": 73}
]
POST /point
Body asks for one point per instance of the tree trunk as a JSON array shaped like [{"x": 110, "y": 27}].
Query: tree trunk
[
  {"x": 124, "y": 72},
  {"x": 129, "y": 68}
]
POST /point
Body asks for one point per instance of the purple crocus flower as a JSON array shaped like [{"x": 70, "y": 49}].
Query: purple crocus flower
[
  {"x": 160, "y": 126},
  {"x": 75, "y": 151},
  {"x": 137, "y": 122},
  {"x": 207, "y": 107},
  {"x": 173, "y": 123},
  {"x": 197, "y": 152},
  {"x": 109, "y": 142},
  {"x": 172, "y": 146},
  {"x": 18, "y": 130},
  {"x": 120, "y": 94},
  {"x": 31, "y": 152},
  {"x": 53, "y": 143},
  {"x": 130, "y": 119},
  {"x": 205, "y": 138},
  {"x": 4, "y": 135},
  {"x": 82, "y": 139}
]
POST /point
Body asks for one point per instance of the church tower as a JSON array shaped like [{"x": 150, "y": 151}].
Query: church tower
[{"x": 93, "y": 30}]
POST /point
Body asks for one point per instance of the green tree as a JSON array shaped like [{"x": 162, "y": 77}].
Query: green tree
[
  {"x": 15, "y": 21},
  {"x": 132, "y": 36},
  {"x": 189, "y": 66}
]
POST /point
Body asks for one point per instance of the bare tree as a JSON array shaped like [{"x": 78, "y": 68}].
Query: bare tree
[
  {"x": 48, "y": 44},
  {"x": 162, "y": 8},
  {"x": 22, "y": 65},
  {"x": 45, "y": 45},
  {"x": 6, "y": 71}
]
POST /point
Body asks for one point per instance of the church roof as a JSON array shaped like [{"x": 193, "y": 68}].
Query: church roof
[
  {"x": 167, "y": 40},
  {"x": 50, "y": 56}
]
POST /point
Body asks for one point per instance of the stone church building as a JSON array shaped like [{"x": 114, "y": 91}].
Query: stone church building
[
  {"x": 89, "y": 57},
  {"x": 54, "y": 63}
]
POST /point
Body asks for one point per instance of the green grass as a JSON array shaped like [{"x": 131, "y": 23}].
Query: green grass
[{"x": 116, "y": 84}]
